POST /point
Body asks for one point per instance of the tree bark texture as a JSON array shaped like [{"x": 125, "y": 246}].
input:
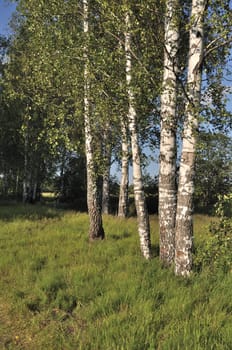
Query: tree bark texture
[
  {"x": 96, "y": 230},
  {"x": 184, "y": 220},
  {"x": 106, "y": 191},
  {"x": 106, "y": 172},
  {"x": 167, "y": 170},
  {"x": 140, "y": 203},
  {"x": 123, "y": 193},
  {"x": 25, "y": 170}
]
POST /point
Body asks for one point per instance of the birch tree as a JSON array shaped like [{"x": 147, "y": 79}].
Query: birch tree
[
  {"x": 38, "y": 82},
  {"x": 167, "y": 170},
  {"x": 106, "y": 170},
  {"x": 184, "y": 219},
  {"x": 142, "y": 215},
  {"x": 124, "y": 183},
  {"x": 96, "y": 230}
]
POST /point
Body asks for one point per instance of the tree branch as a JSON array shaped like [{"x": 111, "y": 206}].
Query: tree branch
[
  {"x": 207, "y": 52},
  {"x": 133, "y": 54}
]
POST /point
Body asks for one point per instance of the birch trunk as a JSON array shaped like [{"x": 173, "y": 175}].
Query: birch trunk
[
  {"x": 106, "y": 191},
  {"x": 62, "y": 171},
  {"x": 25, "y": 170},
  {"x": 142, "y": 215},
  {"x": 184, "y": 222},
  {"x": 167, "y": 171},
  {"x": 123, "y": 193},
  {"x": 34, "y": 191},
  {"x": 96, "y": 230},
  {"x": 106, "y": 172},
  {"x": 17, "y": 184}
]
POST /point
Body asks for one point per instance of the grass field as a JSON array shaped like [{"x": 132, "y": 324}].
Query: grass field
[{"x": 58, "y": 291}]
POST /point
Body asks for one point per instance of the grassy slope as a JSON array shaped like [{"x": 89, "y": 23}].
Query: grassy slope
[{"x": 57, "y": 291}]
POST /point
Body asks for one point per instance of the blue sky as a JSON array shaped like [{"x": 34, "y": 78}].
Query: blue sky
[{"x": 6, "y": 10}]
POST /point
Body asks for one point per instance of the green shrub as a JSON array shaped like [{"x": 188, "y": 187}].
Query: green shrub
[{"x": 215, "y": 253}]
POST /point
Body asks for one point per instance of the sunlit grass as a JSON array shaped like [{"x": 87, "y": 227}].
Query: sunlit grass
[
  {"x": 48, "y": 195},
  {"x": 58, "y": 291}
]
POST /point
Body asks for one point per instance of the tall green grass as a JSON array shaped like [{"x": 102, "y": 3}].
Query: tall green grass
[{"x": 58, "y": 291}]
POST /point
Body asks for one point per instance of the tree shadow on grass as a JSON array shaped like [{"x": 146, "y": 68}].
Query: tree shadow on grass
[
  {"x": 117, "y": 237},
  {"x": 155, "y": 250},
  {"x": 9, "y": 211}
]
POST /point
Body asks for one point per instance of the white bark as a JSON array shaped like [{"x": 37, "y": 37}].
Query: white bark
[
  {"x": 142, "y": 215},
  {"x": 106, "y": 172},
  {"x": 25, "y": 170},
  {"x": 106, "y": 191},
  {"x": 123, "y": 194},
  {"x": 93, "y": 199},
  {"x": 184, "y": 225},
  {"x": 167, "y": 171}
]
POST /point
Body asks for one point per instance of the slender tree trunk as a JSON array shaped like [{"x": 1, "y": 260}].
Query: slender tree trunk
[
  {"x": 96, "y": 230},
  {"x": 17, "y": 184},
  {"x": 167, "y": 171},
  {"x": 106, "y": 174},
  {"x": 184, "y": 222},
  {"x": 123, "y": 193},
  {"x": 140, "y": 203},
  {"x": 34, "y": 191},
  {"x": 106, "y": 190},
  {"x": 6, "y": 183},
  {"x": 34, "y": 181},
  {"x": 25, "y": 170},
  {"x": 62, "y": 172}
]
